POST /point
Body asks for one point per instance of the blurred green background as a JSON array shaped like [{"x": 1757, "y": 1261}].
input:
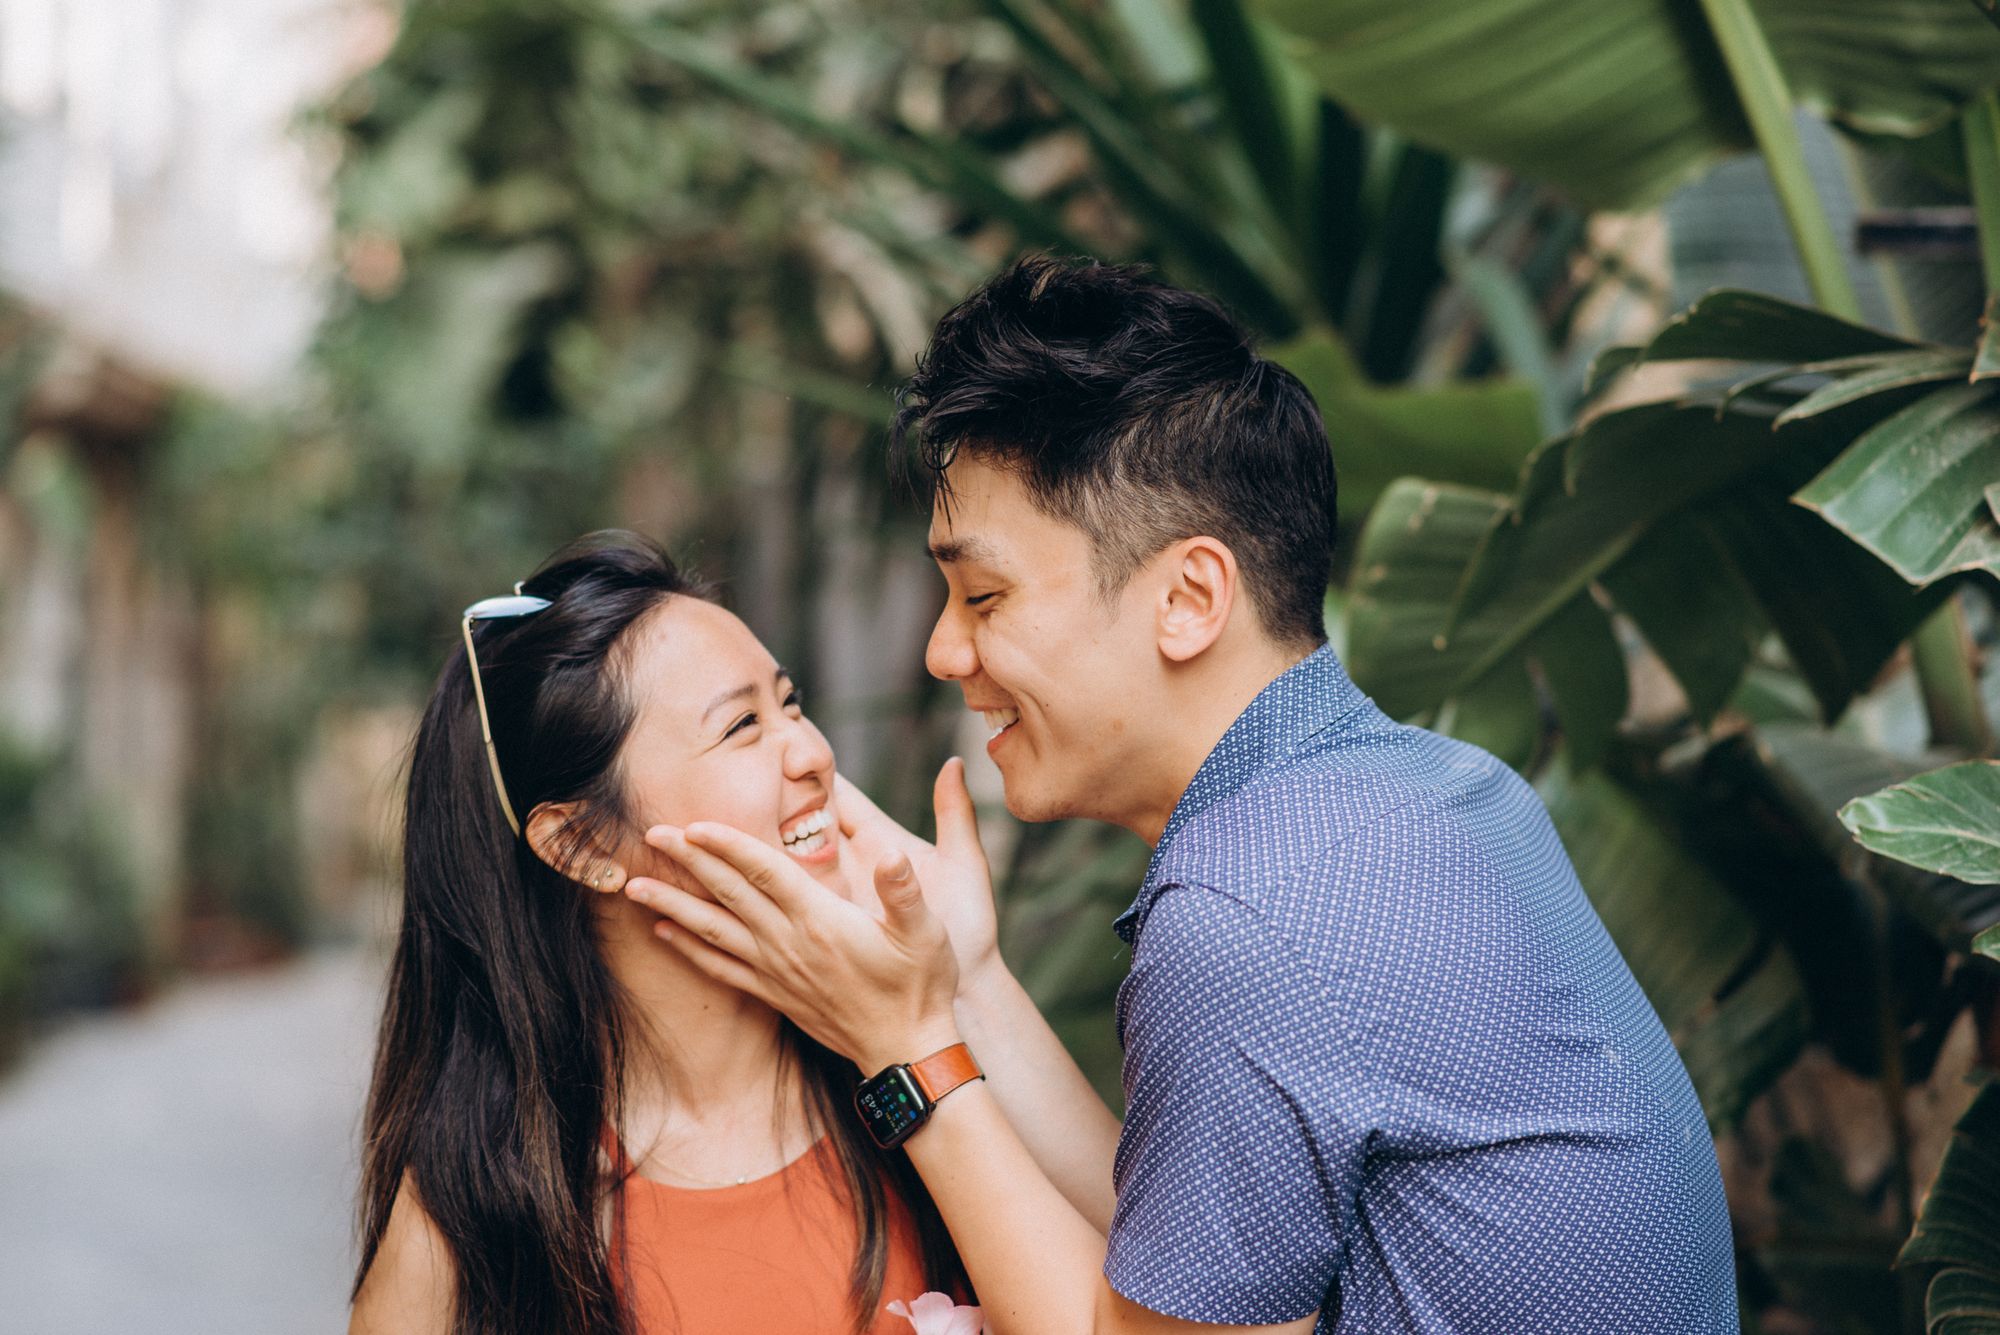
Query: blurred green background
[{"x": 328, "y": 319}]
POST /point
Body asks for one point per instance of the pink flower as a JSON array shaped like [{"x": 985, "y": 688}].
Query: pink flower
[{"x": 937, "y": 1314}]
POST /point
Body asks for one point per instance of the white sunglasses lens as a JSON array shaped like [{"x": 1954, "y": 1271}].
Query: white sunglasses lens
[{"x": 509, "y": 605}]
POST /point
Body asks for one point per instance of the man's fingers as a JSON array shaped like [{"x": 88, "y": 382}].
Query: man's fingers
[
  {"x": 902, "y": 898},
  {"x": 693, "y": 916},
  {"x": 771, "y": 872},
  {"x": 957, "y": 821},
  {"x": 874, "y": 832},
  {"x": 857, "y": 810},
  {"x": 720, "y": 965},
  {"x": 720, "y": 878}
]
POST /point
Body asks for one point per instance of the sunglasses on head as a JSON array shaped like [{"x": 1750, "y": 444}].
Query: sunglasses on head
[{"x": 517, "y": 604}]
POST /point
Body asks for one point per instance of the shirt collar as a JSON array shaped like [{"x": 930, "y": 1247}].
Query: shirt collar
[{"x": 1304, "y": 701}]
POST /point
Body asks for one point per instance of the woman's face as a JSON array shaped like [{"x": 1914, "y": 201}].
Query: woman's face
[{"x": 719, "y": 736}]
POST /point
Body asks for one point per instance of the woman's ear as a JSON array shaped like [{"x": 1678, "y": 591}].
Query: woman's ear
[{"x": 588, "y": 866}]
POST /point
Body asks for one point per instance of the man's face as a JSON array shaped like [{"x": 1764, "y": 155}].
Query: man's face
[{"x": 1063, "y": 674}]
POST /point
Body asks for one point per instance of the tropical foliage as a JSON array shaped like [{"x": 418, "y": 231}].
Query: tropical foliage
[{"x": 1725, "y": 583}]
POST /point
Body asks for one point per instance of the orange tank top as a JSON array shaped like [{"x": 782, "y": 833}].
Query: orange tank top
[{"x": 772, "y": 1255}]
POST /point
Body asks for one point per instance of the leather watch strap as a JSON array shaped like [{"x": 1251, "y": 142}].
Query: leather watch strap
[{"x": 942, "y": 1072}]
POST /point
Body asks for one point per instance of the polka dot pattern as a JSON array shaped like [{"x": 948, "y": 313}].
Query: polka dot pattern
[{"x": 1382, "y": 1060}]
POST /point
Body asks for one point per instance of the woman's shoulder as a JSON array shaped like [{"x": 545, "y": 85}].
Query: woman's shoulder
[{"x": 410, "y": 1281}]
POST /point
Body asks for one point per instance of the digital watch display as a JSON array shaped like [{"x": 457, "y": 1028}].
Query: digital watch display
[{"x": 896, "y": 1102}]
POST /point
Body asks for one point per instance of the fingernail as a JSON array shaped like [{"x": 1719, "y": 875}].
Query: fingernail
[{"x": 664, "y": 931}]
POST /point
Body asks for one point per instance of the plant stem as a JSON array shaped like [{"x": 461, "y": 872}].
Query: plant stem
[
  {"x": 1982, "y": 165},
  {"x": 1767, "y": 104},
  {"x": 1941, "y": 652}
]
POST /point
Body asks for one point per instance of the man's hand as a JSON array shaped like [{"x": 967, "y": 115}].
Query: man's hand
[
  {"x": 875, "y": 992},
  {"x": 957, "y": 883}
]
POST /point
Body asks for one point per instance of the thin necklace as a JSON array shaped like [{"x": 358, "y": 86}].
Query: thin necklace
[{"x": 708, "y": 1182}]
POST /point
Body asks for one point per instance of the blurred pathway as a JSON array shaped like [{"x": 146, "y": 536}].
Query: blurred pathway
[{"x": 189, "y": 1167}]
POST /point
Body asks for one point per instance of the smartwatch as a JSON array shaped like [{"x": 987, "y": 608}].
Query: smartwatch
[{"x": 896, "y": 1102}]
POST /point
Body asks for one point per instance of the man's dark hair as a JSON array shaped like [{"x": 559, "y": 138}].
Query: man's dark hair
[{"x": 1139, "y": 413}]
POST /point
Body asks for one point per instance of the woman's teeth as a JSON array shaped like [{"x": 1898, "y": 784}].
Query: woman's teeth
[
  {"x": 999, "y": 720},
  {"x": 806, "y": 837}
]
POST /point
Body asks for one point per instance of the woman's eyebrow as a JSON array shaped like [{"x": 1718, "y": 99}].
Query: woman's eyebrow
[{"x": 743, "y": 692}]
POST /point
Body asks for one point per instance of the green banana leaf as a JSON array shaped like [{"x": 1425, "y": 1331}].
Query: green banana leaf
[
  {"x": 1986, "y": 366},
  {"x": 1913, "y": 488},
  {"x": 1592, "y": 501},
  {"x": 1730, "y": 997},
  {"x": 1959, "y": 1226},
  {"x": 1472, "y": 433},
  {"x": 1619, "y": 101},
  {"x": 1946, "y": 821}
]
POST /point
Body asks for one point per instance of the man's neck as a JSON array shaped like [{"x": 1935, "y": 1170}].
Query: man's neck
[{"x": 1206, "y": 697}]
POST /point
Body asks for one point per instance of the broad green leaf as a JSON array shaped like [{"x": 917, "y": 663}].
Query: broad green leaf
[
  {"x": 1501, "y": 713},
  {"x": 1205, "y": 232},
  {"x": 1408, "y": 268},
  {"x": 1892, "y": 371},
  {"x": 1730, "y": 998},
  {"x": 1407, "y": 566},
  {"x": 1814, "y": 774},
  {"x": 1986, "y": 363},
  {"x": 1912, "y": 489},
  {"x": 1886, "y": 67},
  {"x": 1684, "y": 591},
  {"x": 1516, "y": 328},
  {"x": 1751, "y": 327},
  {"x": 1947, "y": 821},
  {"x": 1987, "y": 943},
  {"x": 1474, "y": 433},
  {"x": 1840, "y": 612},
  {"x": 1580, "y": 659},
  {"x": 1619, "y": 101},
  {"x": 1252, "y": 95},
  {"x": 1608, "y": 100},
  {"x": 1753, "y": 1035},
  {"x": 1959, "y": 1224},
  {"x": 1963, "y": 1302},
  {"x": 1587, "y": 499}
]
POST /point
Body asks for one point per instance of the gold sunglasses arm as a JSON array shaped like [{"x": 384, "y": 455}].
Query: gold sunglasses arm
[{"x": 486, "y": 732}]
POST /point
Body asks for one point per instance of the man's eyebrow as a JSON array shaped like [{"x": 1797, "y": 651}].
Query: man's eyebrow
[
  {"x": 741, "y": 692},
  {"x": 952, "y": 550}
]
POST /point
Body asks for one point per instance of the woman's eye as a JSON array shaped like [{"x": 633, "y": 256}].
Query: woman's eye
[
  {"x": 748, "y": 720},
  {"x": 792, "y": 701},
  {"x": 978, "y": 599}
]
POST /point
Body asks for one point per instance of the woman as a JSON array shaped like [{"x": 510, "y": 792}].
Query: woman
[{"x": 570, "y": 1129}]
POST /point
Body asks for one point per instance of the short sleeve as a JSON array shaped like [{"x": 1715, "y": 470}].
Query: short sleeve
[{"x": 1245, "y": 1121}]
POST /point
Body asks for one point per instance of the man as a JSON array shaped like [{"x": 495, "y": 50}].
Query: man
[{"x": 1384, "y": 1070}]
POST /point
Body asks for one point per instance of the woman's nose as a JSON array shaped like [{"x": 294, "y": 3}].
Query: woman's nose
[{"x": 807, "y": 751}]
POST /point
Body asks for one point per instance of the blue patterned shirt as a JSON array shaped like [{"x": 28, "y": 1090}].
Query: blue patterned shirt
[{"x": 1383, "y": 1061}]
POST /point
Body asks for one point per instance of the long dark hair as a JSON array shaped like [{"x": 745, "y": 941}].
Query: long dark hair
[{"x": 503, "y": 1041}]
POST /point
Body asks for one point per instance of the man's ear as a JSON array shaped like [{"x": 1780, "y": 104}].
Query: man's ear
[
  {"x": 587, "y": 866},
  {"x": 1199, "y": 589}
]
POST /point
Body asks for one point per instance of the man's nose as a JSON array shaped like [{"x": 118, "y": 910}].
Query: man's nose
[{"x": 949, "y": 655}]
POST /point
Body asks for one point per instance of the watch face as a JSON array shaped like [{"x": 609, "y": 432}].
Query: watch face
[{"x": 891, "y": 1106}]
